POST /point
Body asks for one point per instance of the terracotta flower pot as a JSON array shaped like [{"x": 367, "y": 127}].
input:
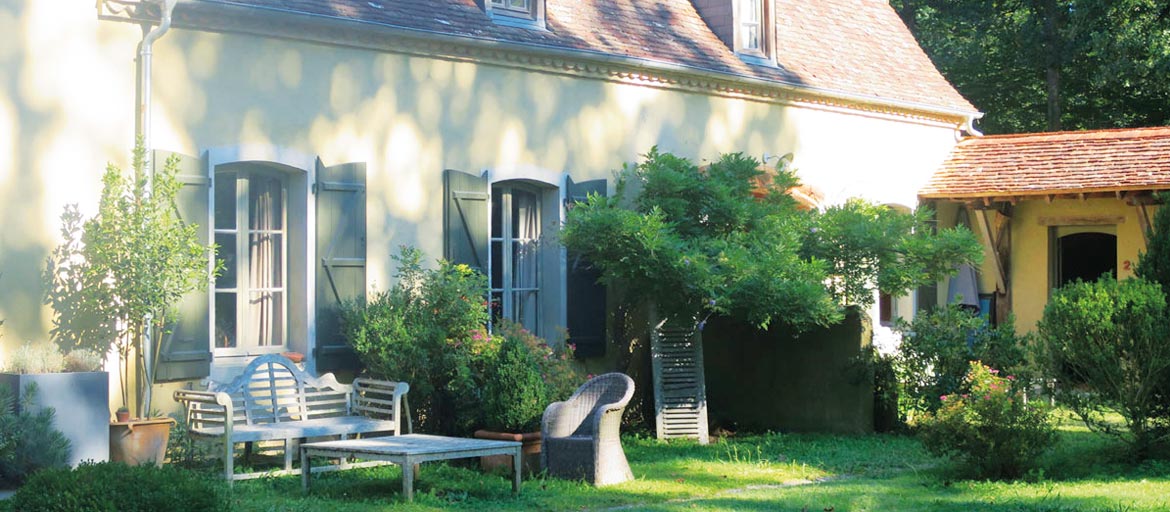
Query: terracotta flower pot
[
  {"x": 529, "y": 452},
  {"x": 140, "y": 442}
]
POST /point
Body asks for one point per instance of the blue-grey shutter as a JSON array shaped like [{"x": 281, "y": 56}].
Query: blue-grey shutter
[
  {"x": 185, "y": 350},
  {"x": 341, "y": 251},
  {"x": 465, "y": 219},
  {"x": 585, "y": 297}
]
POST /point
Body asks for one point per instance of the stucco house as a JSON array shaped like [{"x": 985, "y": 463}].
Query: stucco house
[
  {"x": 1052, "y": 208},
  {"x": 331, "y": 132}
]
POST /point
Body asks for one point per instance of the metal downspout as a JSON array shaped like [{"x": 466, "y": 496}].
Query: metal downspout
[
  {"x": 142, "y": 108},
  {"x": 142, "y": 135}
]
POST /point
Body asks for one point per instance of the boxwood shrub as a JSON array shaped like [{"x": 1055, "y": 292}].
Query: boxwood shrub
[{"x": 113, "y": 486}]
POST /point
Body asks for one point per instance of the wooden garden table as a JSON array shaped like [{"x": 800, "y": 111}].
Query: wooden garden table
[{"x": 408, "y": 450}]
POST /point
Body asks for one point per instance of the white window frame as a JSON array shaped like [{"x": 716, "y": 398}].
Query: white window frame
[
  {"x": 508, "y": 242},
  {"x": 504, "y": 13},
  {"x": 243, "y": 241},
  {"x": 766, "y": 26}
]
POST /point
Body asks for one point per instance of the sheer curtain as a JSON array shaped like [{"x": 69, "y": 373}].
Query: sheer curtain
[
  {"x": 526, "y": 259},
  {"x": 264, "y": 304}
]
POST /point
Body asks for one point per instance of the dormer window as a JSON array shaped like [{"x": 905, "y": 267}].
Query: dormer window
[
  {"x": 752, "y": 37},
  {"x": 751, "y": 14},
  {"x": 521, "y": 13}
]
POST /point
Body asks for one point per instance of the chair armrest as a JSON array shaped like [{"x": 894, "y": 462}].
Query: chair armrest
[
  {"x": 552, "y": 422},
  {"x": 607, "y": 422},
  {"x": 374, "y": 398},
  {"x": 207, "y": 407}
]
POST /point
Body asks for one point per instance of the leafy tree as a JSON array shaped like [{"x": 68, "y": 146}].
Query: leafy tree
[
  {"x": 122, "y": 272},
  {"x": 1037, "y": 65},
  {"x": 697, "y": 240}
]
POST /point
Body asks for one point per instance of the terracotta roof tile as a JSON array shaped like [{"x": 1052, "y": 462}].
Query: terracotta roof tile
[
  {"x": 858, "y": 47},
  {"x": 1054, "y": 163}
]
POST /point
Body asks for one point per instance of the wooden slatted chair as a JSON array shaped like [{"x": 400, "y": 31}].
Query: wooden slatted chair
[{"x": 274, "y": 400}]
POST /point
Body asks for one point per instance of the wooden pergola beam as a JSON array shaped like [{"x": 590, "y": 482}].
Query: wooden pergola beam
[{"x": 992, "y": 238}]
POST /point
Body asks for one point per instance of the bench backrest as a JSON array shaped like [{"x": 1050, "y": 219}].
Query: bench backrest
[{"x": 272, "y": 390}]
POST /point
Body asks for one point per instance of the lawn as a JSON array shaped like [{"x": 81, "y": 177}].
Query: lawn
[{"x": 763, "y": 472}]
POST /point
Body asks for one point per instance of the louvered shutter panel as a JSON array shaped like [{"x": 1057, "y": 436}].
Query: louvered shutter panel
[
  {"x": 341, "y": 253},
  {"x": 185, "y": 350},
  {"x": 585, "y": 297},
  {"x": 680, "y": 389},
  {"x": 465, "y": 219}
]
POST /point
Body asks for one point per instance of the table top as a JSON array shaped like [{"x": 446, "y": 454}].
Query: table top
[{"x": 410, "y": 444}]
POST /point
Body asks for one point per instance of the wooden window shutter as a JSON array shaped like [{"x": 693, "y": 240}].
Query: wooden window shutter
[
  {"x": 584, "y": 296},
  {"x": 185, "y": 350},
  {"x": 341, "y": 249},
  {"x": 465, "y": 219}
]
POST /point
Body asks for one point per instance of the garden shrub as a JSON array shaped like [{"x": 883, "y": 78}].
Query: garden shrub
[
  {"x": 937, "y": 348},
  {"x": 428, "y": 331},
  {"x": 515, "y": 395},
  {"x": 558, "y": 369},
  {"x": 113, "y": 486},
  {"x": 1105, "y": 342},
  {"x": 992, "y": 428},
  {"x": 28, "y": 440}
]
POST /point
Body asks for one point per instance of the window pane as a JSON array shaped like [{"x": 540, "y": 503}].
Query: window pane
[
  {"x": 750, "y": 10},
  {"x": 225, "y": 320},
  {"x": 525, "y": 214},
  {"x": 518, "y": 4},
  {"x": 751, "y": 37},
  {"x": 498, "y": 2},
  {"x": 525, "y": 265},
  {"x": 497, "y": 305},
  {"x": 497, "y": 264},
  {"x": 265, "y": 261},
  {"x": 225, "y": 200},
  {"x": 265, "y": 199},
  {"x": 266, "y": 319},
  {"x": 226, "y": 253},
  {"x": 526, "y": 308},
  {"x": 497, "y": 213}
]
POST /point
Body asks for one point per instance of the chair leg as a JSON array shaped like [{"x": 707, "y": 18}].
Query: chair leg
[{"x": 228, "y": 463}]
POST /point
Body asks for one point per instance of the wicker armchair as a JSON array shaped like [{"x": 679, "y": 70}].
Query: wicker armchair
[{"x": 580, "y": 435}]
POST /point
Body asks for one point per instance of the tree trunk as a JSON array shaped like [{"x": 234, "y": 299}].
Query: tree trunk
[{"x": 1053, "y": 15}]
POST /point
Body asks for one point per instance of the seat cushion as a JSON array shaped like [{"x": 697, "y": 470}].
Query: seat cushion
[{"x": 302, "y": 429}]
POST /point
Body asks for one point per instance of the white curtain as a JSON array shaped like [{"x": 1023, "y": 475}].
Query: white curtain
[
  {"x": 526, "y": 257},
  {"x": 264, "y": 307}
]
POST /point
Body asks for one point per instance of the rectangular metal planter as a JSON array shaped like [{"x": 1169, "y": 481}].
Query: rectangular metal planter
[{"x": 81, "y": 404}]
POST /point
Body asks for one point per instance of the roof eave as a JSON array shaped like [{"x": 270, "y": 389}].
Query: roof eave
[{"x": 342, "y": 31}]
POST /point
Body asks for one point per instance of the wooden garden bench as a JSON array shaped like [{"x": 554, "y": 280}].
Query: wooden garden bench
[{"x": 273, "y": 400}]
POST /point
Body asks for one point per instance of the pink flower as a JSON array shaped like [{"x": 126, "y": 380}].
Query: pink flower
[
  {"x": 1011, "y": 377},
  {"x": 993, "y": 371},
  {"x": 943, "y": 398}
]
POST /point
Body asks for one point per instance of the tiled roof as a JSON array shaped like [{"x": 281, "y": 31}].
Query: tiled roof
[
  {"x": 1098, "y": 161},
  {"x": 856, "y": 47}
]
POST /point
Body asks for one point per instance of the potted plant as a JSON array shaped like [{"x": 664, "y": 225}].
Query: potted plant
[
  {"x": 114, "y": 284},
  {"x": 521, "y": 379},
  {"x": 72, "y": 385}
]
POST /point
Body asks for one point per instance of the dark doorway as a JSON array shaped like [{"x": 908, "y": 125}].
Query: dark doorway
[{"x": 1085, "y": 256}]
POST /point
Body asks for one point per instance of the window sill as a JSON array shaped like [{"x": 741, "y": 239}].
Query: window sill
[
  {"x": 506, "y": 19},
  {"x": 756, "y": 59}
]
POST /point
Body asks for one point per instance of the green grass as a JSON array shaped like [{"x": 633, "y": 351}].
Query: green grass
[{"x": 766, "y": 472}]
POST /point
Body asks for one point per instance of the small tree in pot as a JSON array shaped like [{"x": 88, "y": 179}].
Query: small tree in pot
[{"x": 116, "y": 279}]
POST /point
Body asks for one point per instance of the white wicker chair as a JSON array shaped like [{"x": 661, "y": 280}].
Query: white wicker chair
[{"x": 580, "y": 436}]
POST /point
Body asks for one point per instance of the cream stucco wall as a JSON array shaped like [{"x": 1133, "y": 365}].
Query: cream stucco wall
[
  {"x": 1029, "y": 265},
  {"x": 67, "y": 107},
  {"x": 1030, "y": 239}
]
